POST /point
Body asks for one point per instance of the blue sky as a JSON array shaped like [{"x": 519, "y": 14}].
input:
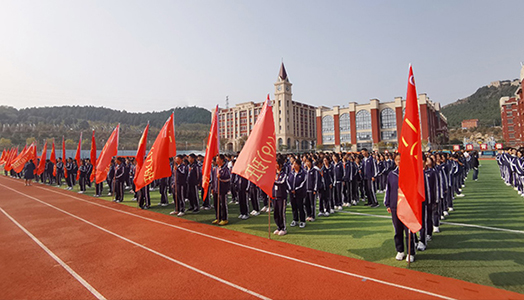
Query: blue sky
[{"x": 154, "y": 55}]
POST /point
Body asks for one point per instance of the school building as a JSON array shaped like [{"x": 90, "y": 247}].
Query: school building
[
  {"x": 512, "y": 115},
  {"x": 303, "y": 127},
  {"x": 376, "y": 124}
]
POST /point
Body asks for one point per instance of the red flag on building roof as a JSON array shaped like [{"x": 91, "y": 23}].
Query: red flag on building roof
[
  {"x": 156, "y": 164},
  {"x": 257, "y": 160},
  {"x": 41, "y": 165},
  {"x": 411, "y": 175},
  {"x": 93, "y": 156},
  {"x": 212, "y": 150},
  {"x": 109, "y": 151},
  {"x": 141, "y": 151}
]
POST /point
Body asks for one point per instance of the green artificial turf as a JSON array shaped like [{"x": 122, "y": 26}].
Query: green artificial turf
[{"x": 487, "y": 257}]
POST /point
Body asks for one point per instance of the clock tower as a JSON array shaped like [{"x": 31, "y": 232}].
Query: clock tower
[{"x": 283, "y": 109}]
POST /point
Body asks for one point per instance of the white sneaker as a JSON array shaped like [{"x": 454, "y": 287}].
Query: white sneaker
[
  {"x": 428, "y": 238},
  {"x": 276, "y": 232},
  {"x": 240, "y": 216},
  {"x": 81, "y": 192},
  {"x": 308, "y": 219},
  {"x": 516, "y": 189},
  {"x": 339, "y": 208},
  {"x": 446, "y": 213},
  {"x": 410, "y": 258},
  {"x": 282, "y": 232},
  {"x": 436, "y": 229},
  {"x": 164, "y": 204},
  {"x": 460, "y": 195},
  {"x": 264, "y": 209},
  {"x": 451, "y": 209},
  {"x": 293, "y": 224},
  {"x": 421, "y": 246},
  {"x": 245, "y": 217},
  {"x": 400, "y": 256},
  {"x": 256, "y": 213},
  {"x": 326, "y": 214},
  {"x": 173, "y": 212},
  {"x": 331, "y": 211},
  {"x": 181, "y": 214},
  {"x": 320, "y": 214},
  {"x": 302, "y": 225}
]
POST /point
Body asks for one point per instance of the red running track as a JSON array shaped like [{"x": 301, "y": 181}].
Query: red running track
[{"x": 113, "y": 251}]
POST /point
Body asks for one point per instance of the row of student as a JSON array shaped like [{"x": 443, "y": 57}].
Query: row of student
[
  {"x": 444, "y": 177},
  {"x": 511, "y": 165},
  {"x": 334, "y": 180}
]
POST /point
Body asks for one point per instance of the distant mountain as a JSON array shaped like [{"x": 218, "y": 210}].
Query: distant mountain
[
  {"x": 482, "y": 105},
  {"x": 21, "y": 126}
]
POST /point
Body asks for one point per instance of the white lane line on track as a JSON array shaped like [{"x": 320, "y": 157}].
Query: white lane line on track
[
  {"x": 253, "y": 248},
  {"x": 145, "y": 248},
  {"x": 442, "y": 222},
  {"x": 79, "y": 278}
]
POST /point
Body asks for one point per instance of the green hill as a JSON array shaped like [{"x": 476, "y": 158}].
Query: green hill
[
  {"x": 21, "y": 126},
  {"x": 482, "y": 105}
]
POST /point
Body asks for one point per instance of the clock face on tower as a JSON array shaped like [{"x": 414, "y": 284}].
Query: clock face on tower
[
  {"x": 279, "y": 87},
  {"x": 287, "y": 88}
]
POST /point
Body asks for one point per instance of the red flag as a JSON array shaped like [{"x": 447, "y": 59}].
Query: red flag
[
  {"x": 20, "y": 161},
  {"x": 77, "y": 155},
  {"x": 411, "y": 175},
  {"x": 12, "y": 154},
  {"x": 93, "y": 156},
  {"x": 212, "y": 150},
  {"x": 108, "y": 152},
  {"x": 3, "y": 157},
  {"x": 64, "y": 157},
  {"x": 257, "y": 160},
  {"x": 141, "y": 151},
  {"x": 157, "y": 165},
  {"x": 41, "y": 165},
  {"x": 52, "y": 158}
]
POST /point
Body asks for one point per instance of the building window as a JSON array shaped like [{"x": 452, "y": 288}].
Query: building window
[
  {"x": 364, "y": 136},
  {"x": 511, "y": 135},
  {"x": 344, "y": 122},
  {"x": 388, "y": 135},
  {"x": 388, "y": 119},
  {"x": 510, "y": 121},
  {"x": 509, "y": 113},
  {"x": 510, "y": 128},
  {"x": 328, "y": 125},
  {"x": 363, "y": 120},
  {"x": 345, "y": 137},
  {"x": 328, "y": 139}
]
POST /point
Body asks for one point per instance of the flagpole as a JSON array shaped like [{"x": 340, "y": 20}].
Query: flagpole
[
  {"x": 409, "y": 248},
  {"x": 269, "y": 219}
]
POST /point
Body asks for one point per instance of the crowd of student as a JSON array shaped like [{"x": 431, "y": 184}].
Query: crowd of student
[
  {"x": 334, "y": 180},
  {"x": 511, "y": 165}
]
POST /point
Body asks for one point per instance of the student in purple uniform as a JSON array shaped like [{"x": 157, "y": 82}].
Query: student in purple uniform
[
  {"x": 429, "y": 204},
  {"x": 369, "y": 173},
  {"x": 179, "y": 185},
  {"x": 338, "y": 179},
  {"x": 312, "y": 180},
  {"x": 296, "y": 185},
  {"x": 119, "y": 180},
  {"x": 193, "y": 178},
  {"x": 280, "y": 198},
  {"x": 223, "y": 178},
  {"x": 390, "y": 201},
  {"x": 325, "y": 189}
]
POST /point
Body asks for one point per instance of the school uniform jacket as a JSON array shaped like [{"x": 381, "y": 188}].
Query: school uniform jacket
[
  {"x": 391, "y": 194},
  {"x": 280, "y": 186},
  {"x": 297, "y": 182}
]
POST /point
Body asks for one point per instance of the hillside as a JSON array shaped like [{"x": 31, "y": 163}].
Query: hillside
[
  {"x": 482, "y": 105},
  {"x": 19, "y": 127}
]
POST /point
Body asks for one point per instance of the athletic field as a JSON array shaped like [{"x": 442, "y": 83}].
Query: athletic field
[{"x": 58, "y": 244}]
